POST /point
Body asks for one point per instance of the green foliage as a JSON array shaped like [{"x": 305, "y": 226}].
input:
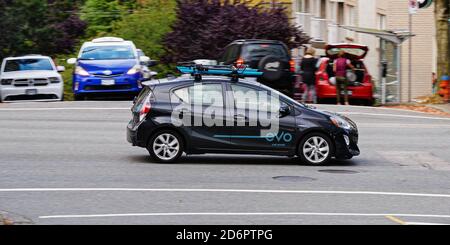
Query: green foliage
[
  {"x": 146, "y": 27},
  {"x": 101, "y": 14}
]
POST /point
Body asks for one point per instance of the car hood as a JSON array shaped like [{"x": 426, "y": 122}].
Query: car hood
[
  {"x": 353, "y": 51},
  {"x": 107, "y": 67},
  {"x": 28, "y": 74}
]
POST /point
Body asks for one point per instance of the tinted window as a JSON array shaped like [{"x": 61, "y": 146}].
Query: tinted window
[
  {"x": 252, "y": 51},
  {"x": 249, "y": 98},
  {"x": 119, "y": 52},
  {"x": 201, "y": 94},
  {"x": 28, "y": 65}
]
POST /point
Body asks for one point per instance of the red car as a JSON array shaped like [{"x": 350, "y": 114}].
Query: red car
[{"x": 360, "y": 86}]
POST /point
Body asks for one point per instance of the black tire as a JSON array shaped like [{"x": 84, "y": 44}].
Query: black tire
[
  {"x": 156, "y": 156},
  {"x": 79, "y": 97},
  {"x": 272, "y": 67},
  {"x": 307, "y": 160}
]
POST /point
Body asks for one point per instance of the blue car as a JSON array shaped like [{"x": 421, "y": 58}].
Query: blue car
[{"x": 107, "y": 66}]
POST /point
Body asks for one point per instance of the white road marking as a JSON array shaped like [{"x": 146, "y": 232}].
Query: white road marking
[
  {"x": 393, "y": 115},
  {"x": 225, "y": 190},
  {"x": 242, "y": 214},
  {"x": 424, "y": 223},
  {"x": 394, "y": 125},
  {"x": 64, "y": 108}
]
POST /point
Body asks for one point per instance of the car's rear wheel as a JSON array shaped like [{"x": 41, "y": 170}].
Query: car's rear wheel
[
  {"x": 315, "y": 149},
  {"x": 165, "y": 146}
]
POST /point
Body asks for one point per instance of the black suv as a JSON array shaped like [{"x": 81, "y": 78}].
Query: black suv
[
  {"x": 312, "y": 135},
  {"x": 269, "y": 56}
]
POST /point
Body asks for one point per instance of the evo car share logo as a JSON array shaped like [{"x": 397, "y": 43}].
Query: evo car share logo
[{"x": 281, "y": 137}]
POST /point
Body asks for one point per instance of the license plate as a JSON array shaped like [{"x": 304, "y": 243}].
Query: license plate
[
  {"x": 108, "y": 82},
  {"x": 348, "y": 92},
  {"x": 31, "y": 91}
]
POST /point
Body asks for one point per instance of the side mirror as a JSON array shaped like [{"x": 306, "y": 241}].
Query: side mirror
[
  {"x": 144, "y": 59},
  {"x": 72, "y": 61},
  {"x": 153, "y": 74},
  {"x": 285, "y": 110},
  {"x": 60, "y": 68}
]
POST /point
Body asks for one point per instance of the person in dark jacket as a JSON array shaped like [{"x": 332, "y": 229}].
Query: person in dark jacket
[{"x": 308, "y": 68}]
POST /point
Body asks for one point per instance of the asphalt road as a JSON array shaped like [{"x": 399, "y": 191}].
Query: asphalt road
[{"x": 70, "y": 163}]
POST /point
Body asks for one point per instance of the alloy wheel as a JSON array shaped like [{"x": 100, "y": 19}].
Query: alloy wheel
[{"x": 316, "y": 149}]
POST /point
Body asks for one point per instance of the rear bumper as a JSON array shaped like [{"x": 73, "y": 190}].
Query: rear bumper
[
  {"x": 52, "y": 91},
  {"x": 362, "y": 92},
  {"x": 92, "y": 84},
  {"x": 132, "y": 134}
]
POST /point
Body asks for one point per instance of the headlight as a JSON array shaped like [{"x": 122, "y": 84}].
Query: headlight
[
  {"x": 135, "y": 69},
  {"x": 6, "y": 81},
  {"x": 340, "y": 123},
  {"x": 80, "y": 71},
  {"x": 54, "y": 79}
]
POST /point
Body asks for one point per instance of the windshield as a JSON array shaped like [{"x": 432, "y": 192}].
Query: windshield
[
  {"x": 28, "y": 65},
  {"x": 252, "y": 51},
  {"x": 119, "y": 52}
]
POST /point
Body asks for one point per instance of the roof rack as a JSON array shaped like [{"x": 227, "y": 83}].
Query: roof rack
[{"x": 235, "y": 72}]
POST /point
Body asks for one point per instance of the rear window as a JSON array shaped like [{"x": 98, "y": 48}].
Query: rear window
[
  {"x": 254, "y": 51},
  {"x": 352, "y": 51},
  {"x": 28, "y": 65}
]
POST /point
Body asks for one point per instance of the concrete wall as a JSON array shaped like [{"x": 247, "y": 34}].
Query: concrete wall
[{"x": 423, "y": 46}]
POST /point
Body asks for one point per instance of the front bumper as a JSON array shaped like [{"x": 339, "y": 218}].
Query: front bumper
[
  {"x": 346, "y": 149},
  {"x": 92, "y": 84},
  {"x": 48, "y": 92}
]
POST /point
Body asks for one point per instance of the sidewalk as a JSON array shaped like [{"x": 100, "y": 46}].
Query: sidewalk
[
  {"x": 434, "y": 109},
  {"x": 442, "y": 107}
]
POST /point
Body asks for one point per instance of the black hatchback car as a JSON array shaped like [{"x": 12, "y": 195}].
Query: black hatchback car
[
  {"x": 269, "y": 56},
  {"x": 169, "y": 120}
]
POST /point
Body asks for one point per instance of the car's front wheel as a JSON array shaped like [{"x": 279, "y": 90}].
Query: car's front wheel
[
  {"x": 165, "y": 146},
  {"x": 315, "y": 149}
]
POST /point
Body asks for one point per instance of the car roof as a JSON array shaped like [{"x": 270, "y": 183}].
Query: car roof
[
  {"x": 264, "y": 41},
  {"x": 30, "y": 56},
  {"x": 186, "y": 78}
]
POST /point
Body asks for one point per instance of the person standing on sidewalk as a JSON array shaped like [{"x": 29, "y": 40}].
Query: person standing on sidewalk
[
  {"x": 308, "y": 68},
  {"x": 340, "y": 69}
]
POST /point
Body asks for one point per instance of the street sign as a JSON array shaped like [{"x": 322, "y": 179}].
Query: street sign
[{"x": 413, "y": 6}]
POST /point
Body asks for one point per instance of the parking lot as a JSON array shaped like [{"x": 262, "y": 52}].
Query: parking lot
[{"x": 70, "y": 163}]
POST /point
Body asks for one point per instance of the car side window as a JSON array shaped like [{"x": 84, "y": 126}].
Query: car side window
[
  {"x": 247, "y": 98},
  {"x": 201, "y": 94}
]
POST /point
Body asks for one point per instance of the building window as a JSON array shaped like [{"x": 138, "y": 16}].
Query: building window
[
  {"x": 351, "y": 16},
  {"x": 340, "y": 13},
  {"x": 303, "y": 6},
  {"x": 323, "y": 9},
  {"x": 381, "y": 21}
]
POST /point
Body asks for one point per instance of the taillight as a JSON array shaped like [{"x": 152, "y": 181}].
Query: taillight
[
  {"x": 240, "y": 62},
  {"x": 292, "y": 65},
  {"x": 145, "y": 109}
]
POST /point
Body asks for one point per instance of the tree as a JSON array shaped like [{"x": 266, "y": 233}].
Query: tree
[
  {"x": 442, "y": 8},
  {"x": 147, "y": 25},
  {"x": 204, "y": 27},
  {"x": 101, "y": 14},
  {"x": 38, "y": 26}
]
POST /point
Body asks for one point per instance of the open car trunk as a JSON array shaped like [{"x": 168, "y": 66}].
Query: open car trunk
[{"x": 355, "y": 53}]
